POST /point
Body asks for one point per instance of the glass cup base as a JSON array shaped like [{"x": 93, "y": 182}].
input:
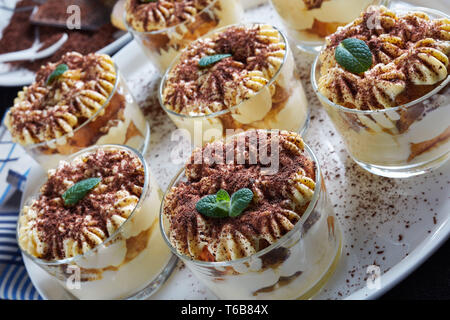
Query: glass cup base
[
  {"x": 317, "y": 288},
  {"x": 153, "y": 286},
  {"x": 404, "y": 171}
]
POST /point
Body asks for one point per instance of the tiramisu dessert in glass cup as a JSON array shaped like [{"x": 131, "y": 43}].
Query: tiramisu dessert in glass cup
[
  {"x": 75, "y": 103},
  {"x": 251, "y": 218},
  {"x": 94, "y": 225},
  {"x": 308, "y": 22},
  {"x": 385, "y": 87},
  {"x": 164, "y": 27},
  {"x": 239, "y": 77}
]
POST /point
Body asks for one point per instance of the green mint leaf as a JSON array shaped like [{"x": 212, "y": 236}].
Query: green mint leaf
[
  {"x": 59, "y": 70},
  {"x": 353, "y": 55},
  {"x": 210, "y": 207},
  {"x": 221, "y": 206},
  {"x": 209, "y": 60},
  {"x": 79, "y": 190},
  {"x": 240, "y": 201},
  {"x": 222, "y": 195}
]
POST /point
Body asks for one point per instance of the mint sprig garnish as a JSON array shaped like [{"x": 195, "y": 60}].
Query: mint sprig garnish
[
  {"x": 209, "y": 60},
  {"x": 59, "y": 70},
  {"x": 79, "y": 190},
  {"x": 353, "y": 55},
  {"x": 209, "y": 206},
  {"x": 221, "y": 205}
]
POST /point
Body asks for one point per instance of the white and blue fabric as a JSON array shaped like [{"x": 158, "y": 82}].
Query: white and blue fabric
[{"x": 15, "y": 165}]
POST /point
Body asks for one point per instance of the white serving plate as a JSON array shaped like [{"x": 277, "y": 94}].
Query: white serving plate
[
  {"x": 392, "y": 224},
  {"x": 10, "y": 77}
]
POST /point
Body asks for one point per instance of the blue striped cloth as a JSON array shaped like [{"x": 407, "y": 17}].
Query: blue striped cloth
[
  {"x": 14, "y": 167},
  {"x": 14, "y": 281}
]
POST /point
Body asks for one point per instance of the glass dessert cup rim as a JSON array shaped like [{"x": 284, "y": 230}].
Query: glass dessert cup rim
[
  {"x": 145, "y": 189},
  {"x": 166, "y": 29},
  {"x": 284, "y": 239},
  {"x": 316, "y": 64},
  {"x": 85, "y": 123},
  {"x": 227, "y": 110}
]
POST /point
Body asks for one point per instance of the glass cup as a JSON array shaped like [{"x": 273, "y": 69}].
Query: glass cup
[
  {"x": 297, "y": 266},
  {"x": 398, "y": 142},
  {"x": 308, "y": 27},
  {"x": 162, "y": 46},
  {"x": 119, "y": 121},
  {"x": 132, "y": 263},
  {"x": 280, "y": 104}
]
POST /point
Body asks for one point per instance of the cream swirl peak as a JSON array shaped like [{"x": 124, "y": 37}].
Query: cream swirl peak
[
  {"x": 48, "y": 110},
  {"x": 51, "y": 230},
  {"x": 410, "y": 57},
  {"x": 155, "y": 15},
  {"x": 257, "y": 53},
  {"x": 278, "y": 203}
]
